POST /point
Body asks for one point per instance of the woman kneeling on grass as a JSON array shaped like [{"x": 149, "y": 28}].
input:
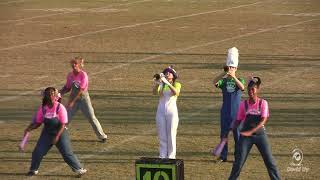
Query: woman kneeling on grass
[
  {"x": 252, "y": 116},
  {"x": 54, "y": 116}
]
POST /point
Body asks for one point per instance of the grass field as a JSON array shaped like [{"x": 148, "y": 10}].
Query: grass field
[{"x": 124, "y": 43}]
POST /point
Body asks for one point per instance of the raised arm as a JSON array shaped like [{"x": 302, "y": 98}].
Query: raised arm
[
  {"x": 175, "y": 91},
  {"x": 218, "y": 77},
  {"x": 238, "y": 82}
]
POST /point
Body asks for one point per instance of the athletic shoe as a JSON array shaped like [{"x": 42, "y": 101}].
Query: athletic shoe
[
  {"x": 104, "y": 139},
  {"x": 32, "y": 173},
  {"x": 81, "y": 171},
  {"x": 219, "y": 160}
]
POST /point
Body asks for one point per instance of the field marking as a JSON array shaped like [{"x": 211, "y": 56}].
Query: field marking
[
  {"x": 249, "y": 34},
  {"x": 49, "y": 15},
  {"x": 5, "y": 75},
  {"x": 298, "y": 15},
  {"x": 202, "y": 45},
  {"x": 168, "y": 53},
  {"x": 41, "y": 77},
  {"x": 10, "y": 2},
  {"x": 115, "y": 79},
  {"x": 126, "y": 26},
  {"x": 105, "y": 10}
]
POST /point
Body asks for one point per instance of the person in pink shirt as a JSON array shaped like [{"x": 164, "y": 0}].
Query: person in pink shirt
[
  {"x": 252, "y": 116},
  {"x": 54, "y": 117},
  {"x": 77, "y": 83}
]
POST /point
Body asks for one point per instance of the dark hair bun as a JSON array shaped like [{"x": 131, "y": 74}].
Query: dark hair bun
[{"x": 254, "y": 81}]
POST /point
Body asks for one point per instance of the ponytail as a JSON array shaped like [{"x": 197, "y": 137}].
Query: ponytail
[{"x": 254, "y": 81}]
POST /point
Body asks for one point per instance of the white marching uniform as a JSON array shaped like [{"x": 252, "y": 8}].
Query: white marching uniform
[{"x": 167, "y": 121}]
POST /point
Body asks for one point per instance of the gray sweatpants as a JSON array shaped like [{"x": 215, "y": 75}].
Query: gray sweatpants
[{"x": 84, "y": 104}]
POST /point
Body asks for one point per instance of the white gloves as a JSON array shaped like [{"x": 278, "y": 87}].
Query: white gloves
[{"x": 162, "y": 75}]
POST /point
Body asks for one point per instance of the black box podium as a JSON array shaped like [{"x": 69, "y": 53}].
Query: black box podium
[{"x": 159, "y": 169}]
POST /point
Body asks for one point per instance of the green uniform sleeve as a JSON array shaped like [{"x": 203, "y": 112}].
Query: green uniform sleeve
[
  {"x": 220, "y": 84},
  {"x": 242, "y": 81},
  {"x": 177, "y": 85}
]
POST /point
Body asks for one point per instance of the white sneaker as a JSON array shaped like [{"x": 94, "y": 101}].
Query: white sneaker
[
  {"x": 32, "y": 173},
  {"x": 104, "y": 139},
  {"x": 81, "y": 171}
]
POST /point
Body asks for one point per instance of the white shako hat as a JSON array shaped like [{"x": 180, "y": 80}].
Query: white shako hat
[{"x": 233, "y": 57}]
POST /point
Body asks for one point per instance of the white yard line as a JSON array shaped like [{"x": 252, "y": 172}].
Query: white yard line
[
  {"x": 5, "y": 75},
  {"x": 109, "y": 29},
  {"x": 125, "y": 27},
  {"x": 41, "y": 77},
  {"x": 171, "y": 52},
  {"x": 69, "y": 12},
  {"x": 203, "y": 45},
  {"x": 10, "y": 2}
]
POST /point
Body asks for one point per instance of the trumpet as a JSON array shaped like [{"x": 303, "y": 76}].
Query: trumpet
[{"x": 156, "y": 77}]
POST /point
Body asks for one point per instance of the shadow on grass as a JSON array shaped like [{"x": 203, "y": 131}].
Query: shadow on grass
[{"x": 13, "y": 174}]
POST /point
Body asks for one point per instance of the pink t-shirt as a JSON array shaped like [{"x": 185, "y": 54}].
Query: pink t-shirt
[
  {"x": 51, "y": 113},
  {"x": 81, "y": 80},
  {"x": 253, "y": 109}
]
